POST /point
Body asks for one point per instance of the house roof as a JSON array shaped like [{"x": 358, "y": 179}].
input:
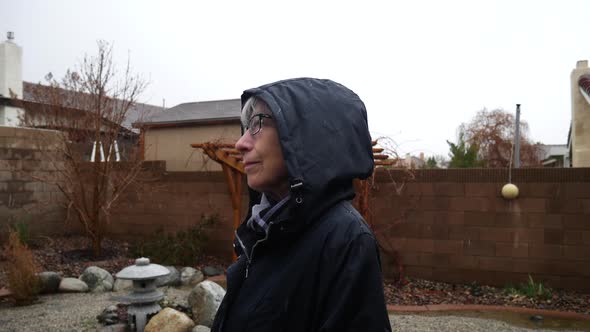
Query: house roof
[
  {"x": 197, "y": 112},
  {"x": 139, "y": 111}
]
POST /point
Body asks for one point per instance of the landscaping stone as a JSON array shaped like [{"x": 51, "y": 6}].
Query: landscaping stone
[
  {"x": 201, "y": 328},
  {"x": 109, "y": 316},
  {"x": 190, "y": 276},
  {"x": 172, "y": 279},
  {"x": 97, "y": 279},
  {"x": 122, "y": 284},
  {"x": 72, "y": 285},
  {"x": 49, "y": 282},
  {"x": 169, "y": 320},
  {"x": 210, "y": 271},
  {"x": 204, "y": 301}
]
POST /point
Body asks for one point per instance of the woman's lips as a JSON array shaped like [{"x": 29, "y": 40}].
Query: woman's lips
[{"x": 250, "y": 164}]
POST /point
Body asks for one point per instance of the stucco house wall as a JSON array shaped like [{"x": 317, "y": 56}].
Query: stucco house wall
[{"x": 173, "y": 145}]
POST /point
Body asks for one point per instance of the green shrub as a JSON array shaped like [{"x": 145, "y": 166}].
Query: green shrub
[
  {"x": 182, "y": 248},
  {"x": 22, "y": 230},
  {"x": 530, "y": 289}
]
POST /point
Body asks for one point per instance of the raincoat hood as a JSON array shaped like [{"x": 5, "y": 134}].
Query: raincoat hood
[{"x": 324, "y": 136}]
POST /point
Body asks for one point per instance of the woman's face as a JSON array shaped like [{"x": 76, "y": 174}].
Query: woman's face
[{"x": 262, "y": 155}]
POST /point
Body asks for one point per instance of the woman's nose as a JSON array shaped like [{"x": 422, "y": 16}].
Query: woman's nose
[{"x": 245, "y": 142}]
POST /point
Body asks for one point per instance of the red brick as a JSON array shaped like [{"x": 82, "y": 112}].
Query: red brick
[
  {"x": 495, "y": 234},
  {"x": 577, "y": 190},
  {"x": 577, "y": 252},
  {"x": 482, "y": 190},
  {"x": 479, "y": 218},
  {"x": 573, "y": 237},
  {"x": 421, "y": 217},
  {"x": 434, "y": 203},
  {"x": 418, "y": 272},
  {"x": 410, "y": 258},
  {"x": 448, "y": 246},
  {"x": 463, "y": 262},
  {"x": 496, "y": 264},
  {"x": 520, "y": 250},
  {"x": 573, "y": 221},
  {"x": 535, "y": 220},
  {"x": 434, "y": 260},
  {"x": 449, "y": 218},
  {"x": 531, "y": 204},
  {"x": 460, "y": 232},
  {"x": 565, "y": 205},
  {"x": 586, "y": 237},
  {"x": 439, "y": 232},
  {"x": 505, "y": 219},
  {"x": 546, "y": 251},
  {"x": 547, "y": 190},
  {"x": 449, "y": 189},
  {"x": 553, "y": 236},
  {"x": 478, "y": 204},
  {"x": 529, "y": 235},
  {"x": 419, "y": 245},
  {"x": 479, "y": 248}
]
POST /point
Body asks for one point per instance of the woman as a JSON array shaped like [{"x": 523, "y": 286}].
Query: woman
[{"x": 307, "y": 260}]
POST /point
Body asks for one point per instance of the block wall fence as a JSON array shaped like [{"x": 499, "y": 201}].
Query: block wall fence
[
  {"x": 453, "y": 225},
  {"x": 449, "y": 225}
]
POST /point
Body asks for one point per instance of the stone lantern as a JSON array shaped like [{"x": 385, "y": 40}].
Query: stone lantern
[{"x": 144, "y": 295}]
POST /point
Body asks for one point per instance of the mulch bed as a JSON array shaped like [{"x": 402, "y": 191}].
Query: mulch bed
[{"x": 71, "y": 255}]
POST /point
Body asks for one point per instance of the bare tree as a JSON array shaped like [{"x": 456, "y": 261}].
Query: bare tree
[
  {"x": 89, "y": 107},
  {"x": 493, "y": 133}
]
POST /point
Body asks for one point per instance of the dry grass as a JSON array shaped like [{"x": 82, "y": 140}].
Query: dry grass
[{"x": 22, "y": 270}]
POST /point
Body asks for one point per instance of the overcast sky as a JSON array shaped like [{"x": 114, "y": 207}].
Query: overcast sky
[{"x": 421, "y": 67}]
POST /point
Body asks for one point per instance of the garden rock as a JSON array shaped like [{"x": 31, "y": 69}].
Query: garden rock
[
  {"x": 204, "y": 301},
  {"x": 190, "y": 276},
  {"x": 169, "y": 320},
  {"x": 109, "y": 315},
  {"x": 97, "y": 279},
  {"x": 201, "y": 328},
  {"x": 210, "y": 271},
  {"x": 72, "y": 285},
  {"x": 122, "y": 284},
  {"x": 49, "y": 282},
  {"x": 172, "y": 279}
]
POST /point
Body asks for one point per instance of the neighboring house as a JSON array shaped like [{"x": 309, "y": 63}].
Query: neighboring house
[
  {"x": 19, "y": 99},
  {"x": 579, "y": 134},
  {"x": 554, "y": 155},
  {"x": 168, "y": 135}
]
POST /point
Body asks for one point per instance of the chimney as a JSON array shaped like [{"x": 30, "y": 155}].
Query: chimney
[
  {"x": 10, "y": 79},
  {"x": 422, "y": 156},
  {"x": 582, "y": 64},
  {"x": 11, "y": 67}
]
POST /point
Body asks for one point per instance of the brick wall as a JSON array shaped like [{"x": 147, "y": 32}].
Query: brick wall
[
  {"x": 173, "y": 201},
  {"x": 23, "y": 197},
  {"x": 453, "y": 225}
]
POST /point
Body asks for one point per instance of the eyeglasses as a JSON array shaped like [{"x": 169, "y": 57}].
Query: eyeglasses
[{"x": 255, "y": 123}]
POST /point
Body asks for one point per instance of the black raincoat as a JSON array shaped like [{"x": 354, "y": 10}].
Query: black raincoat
[{"x": 318, "y": 267}]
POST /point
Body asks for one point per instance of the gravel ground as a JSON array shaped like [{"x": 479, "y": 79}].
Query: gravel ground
[
  {"x": 425, "y": 323},
  {"x": 77, "y": 312},
  {"x": 67, "y": 312}
]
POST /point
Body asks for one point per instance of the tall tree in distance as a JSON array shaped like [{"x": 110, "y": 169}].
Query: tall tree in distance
[
  {"x": 463, "y": 154},
  {"x": 89, "y": 108},
  {"x": 493, "y": 133}
]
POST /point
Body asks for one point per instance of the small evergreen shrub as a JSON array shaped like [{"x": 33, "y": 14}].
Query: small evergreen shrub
[
  {"x": 182, "y": 248},
  {"x": 22, "y": 270}
]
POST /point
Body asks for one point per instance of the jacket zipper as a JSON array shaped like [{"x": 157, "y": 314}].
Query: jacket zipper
[{"x": 251, "y": 256}]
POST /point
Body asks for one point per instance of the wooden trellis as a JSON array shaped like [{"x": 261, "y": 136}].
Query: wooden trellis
[{"x": 230, "y": 160}]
